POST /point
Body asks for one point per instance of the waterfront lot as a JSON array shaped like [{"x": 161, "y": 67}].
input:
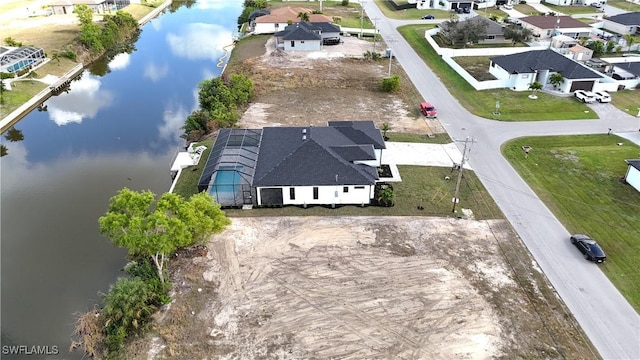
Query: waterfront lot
[{"x": 369, "y": 287}]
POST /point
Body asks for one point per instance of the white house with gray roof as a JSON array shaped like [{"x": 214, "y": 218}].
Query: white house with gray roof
[
  {"x": 632, "y": 177},
  {"x": 524, "y": 68},
  {"x": 306, "y": 36},
  {"x": 277, "y": 166},
  {"x": 627, "y": 23}
]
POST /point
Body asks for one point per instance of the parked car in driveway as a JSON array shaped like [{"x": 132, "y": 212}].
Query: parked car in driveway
[
  {"x": 584, "y": 96},
  {"x": 589, "y": 248},
  {"x": 466, "y": 10},
  {"x": 602, "y": 96},
  {"x": 428, "y": 110}
]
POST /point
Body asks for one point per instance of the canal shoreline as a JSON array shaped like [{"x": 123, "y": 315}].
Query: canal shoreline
[{"x": 14, "y": 117}]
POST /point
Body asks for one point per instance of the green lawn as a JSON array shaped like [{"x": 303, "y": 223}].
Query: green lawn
[
  {"x": 22, "y": 91},
  {"x": 187, "y": 184},
  {"x": 575, "y": 9},
  {"x": 410, "y": 14},
  {"x": 627, "y": 101},
  {"x": 526, "y": 10},
  {"x": 578, "y": 177},
  {"x": 515, "y": 106},
  {"x": 624, "y": 5}
]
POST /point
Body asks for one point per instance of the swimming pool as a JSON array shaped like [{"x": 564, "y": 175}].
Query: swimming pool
[{"x": 226, "y": 188}]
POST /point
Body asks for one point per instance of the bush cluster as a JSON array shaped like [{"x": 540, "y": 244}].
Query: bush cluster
[
  {"x": 219, "y": 99},
  {"x": 115, "y": 30},
  {"x": 391, "y": 84}
]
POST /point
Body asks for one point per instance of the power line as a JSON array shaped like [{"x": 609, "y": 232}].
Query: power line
[{"x": 464, "y": 157}]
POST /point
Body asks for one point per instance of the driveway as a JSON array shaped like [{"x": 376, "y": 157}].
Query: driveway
[
  {"x": 612, "y": 325},
  {"x": 445, "y": 155}
]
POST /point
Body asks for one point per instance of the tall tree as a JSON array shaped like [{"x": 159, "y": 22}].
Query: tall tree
[
  {"x": 597, "y": 47},
  {"x": 517, "y": 34},
  {"x": 303, "y": 16},
  {"x": 132, "y": 222},
  {"x": 630, "y": 39}
]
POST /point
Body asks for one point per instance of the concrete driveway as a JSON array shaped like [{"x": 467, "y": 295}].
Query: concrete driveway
[
  {"x": 445, "y": 155},
  {"x": 613, "y": 326}
]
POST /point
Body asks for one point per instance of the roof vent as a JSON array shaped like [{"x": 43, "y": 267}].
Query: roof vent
[
  {"x": 304, "y": 131},
  {"x": 304, "y": 137}
]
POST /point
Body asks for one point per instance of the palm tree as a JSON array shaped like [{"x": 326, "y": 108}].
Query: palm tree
[
  {"x": 385, "y": 128},
  {"x": 630, "y": 40},
  {"x": 534, "y": 86},
  {"x": 385, "y": 197},
  {"x": 556, "y": 79},
  {"x": 303, "y": 16}
]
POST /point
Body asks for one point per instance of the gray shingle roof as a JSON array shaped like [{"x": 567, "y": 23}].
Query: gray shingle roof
[
  {"x": 632, "y": 18},
  {"x": 306, "y": 156},
  {"x": 530, "y": 61},
  {"x": 493, "y": 28},
  {"x": 307, "y": 31},
  {"x": 634, "y": 163}
]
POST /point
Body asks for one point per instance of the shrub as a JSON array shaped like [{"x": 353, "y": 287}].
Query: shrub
[
  {"x": 128, "y": 306},
  {"x": 345, "y": 2},
  {"x": 68, "y": 54},
  {"x": 391, "y": 84}
]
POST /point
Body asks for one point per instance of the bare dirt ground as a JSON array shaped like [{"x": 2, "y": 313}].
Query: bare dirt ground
[
  {"x": 363, "y": 288},
  {"x": 355, "y": 287},
  {"x": 311, "y": 88}
]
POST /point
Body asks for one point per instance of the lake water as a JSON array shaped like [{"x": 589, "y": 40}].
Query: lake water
[{"x": 117, "y": 129}]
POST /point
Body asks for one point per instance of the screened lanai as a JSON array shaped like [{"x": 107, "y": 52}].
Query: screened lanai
[
  {"x": 228, "y": 173},
  {"x": 15, "y": 59}
]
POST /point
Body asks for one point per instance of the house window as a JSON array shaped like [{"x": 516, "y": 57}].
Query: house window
[
  {"x": 359, "y": 187},
  {"x": 490, "y": 37},
  {"x": 292, "y": 193},
  {"x": 277, "y": 26},
  {"x": 302, "y": 41},
  {"x": 345, "y": 189},
  {"x": 315, "y": 193},
  {"x": 525, "y": 76},
  {"x": 293, "y": 43}
]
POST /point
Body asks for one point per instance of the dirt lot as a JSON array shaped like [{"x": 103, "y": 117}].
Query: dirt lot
[
  {"x": 355, "y": 287},
  {"x": 311, "y": 88},
  {"x": 363, "y": 288}
]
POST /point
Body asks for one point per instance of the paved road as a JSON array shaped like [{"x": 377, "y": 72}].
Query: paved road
[{"x": 611, "y": 323}]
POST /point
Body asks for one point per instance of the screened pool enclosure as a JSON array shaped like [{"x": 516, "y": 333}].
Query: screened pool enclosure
[
  {"x": 229, "y": 171},
  {"x": 15, "y": 59}
]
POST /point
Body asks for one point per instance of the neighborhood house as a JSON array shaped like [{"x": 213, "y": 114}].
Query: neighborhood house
[
  {"x": 279, "y": 18},
  {"x": 524, "y": 68},
  {"x": 277, "y": 166}
]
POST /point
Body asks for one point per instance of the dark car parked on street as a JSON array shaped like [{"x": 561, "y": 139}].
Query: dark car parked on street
[
  {"x": 428, "y": 17},
  {"x": 589, "y": 248}
]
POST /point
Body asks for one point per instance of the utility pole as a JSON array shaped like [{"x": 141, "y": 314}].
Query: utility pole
[
  {"x": 390, "y": 41},
  {"x": 361, "y": 17},
  {"x": 464, "y": 156},
  {"x": 375, "y": 32},
  {"x": 321, "y": 5}
]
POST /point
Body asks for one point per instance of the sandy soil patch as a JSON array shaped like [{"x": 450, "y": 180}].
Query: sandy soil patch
[
  {"x": 363, "y": 288},
  {"x": 312, "y": 87}
]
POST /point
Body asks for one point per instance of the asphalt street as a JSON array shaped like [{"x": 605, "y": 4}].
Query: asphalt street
[{"x": 611, "y": 324}]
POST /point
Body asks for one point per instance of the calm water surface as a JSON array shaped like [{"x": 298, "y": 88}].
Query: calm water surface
[{"x": 115, "y": 128}]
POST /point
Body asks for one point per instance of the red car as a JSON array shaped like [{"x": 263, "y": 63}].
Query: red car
[{"x": 428, "y": 110}]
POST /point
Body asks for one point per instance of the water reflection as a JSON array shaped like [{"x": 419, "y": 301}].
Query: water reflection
[
  {"x": 120, "y": 61},
  {"x": 200, "y": 41},
  {"x": 83, "y": 102},
  {"x": 12, "y": 135},
  {"x": 156, "y": 72}
]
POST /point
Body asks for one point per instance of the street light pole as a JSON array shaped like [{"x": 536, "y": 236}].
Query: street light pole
[{"x": 361, "y": 17}]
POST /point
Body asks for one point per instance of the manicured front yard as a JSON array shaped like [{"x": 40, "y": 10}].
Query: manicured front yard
[
  {"x": 624, "y": 5},
  {"x": 579, "y": 179},
  {"x": 514, "y": 105},
  {"x": 575, "y": 9}
]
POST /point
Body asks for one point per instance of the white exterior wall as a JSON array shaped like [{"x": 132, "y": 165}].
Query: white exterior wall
[
  {"x": 268, "y": 28},
  {"x": 617, "y": 28},
  {"x": 302, "y": 45},
  {"x": 633, "y": 177},
  {"x": 327, "y": 195}
]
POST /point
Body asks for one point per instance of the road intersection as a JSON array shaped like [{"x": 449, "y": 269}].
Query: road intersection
[{"x": 612, "y": 325}]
